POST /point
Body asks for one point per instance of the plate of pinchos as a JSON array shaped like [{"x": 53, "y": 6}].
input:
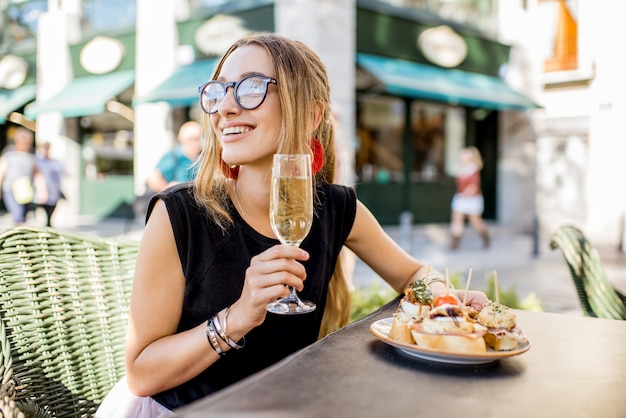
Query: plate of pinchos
[{"x": 445, "y": 330}]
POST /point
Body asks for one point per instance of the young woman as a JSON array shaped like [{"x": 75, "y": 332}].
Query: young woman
[
  {"x": 209, "y": 261},
  {"x": 52, "y": 172},
  {"x": 468, "y": 201},
  {"x": 18, "y": 176}
]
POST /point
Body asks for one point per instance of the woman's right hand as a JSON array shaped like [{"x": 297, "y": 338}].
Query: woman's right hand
[{"x": 267, "y": 278}]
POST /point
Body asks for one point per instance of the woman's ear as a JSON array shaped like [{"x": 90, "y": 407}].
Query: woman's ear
[{"x": 319, "y": 113}]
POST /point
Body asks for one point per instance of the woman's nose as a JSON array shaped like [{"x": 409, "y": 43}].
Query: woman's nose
[{"x": 228, "y": 104}]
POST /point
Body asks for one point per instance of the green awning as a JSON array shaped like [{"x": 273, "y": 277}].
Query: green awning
[
  {"x": 84, "y": 96},
  {"x": 181, "y": 88},
  {"x": 456, "y": 87},
  {"x": 14, "y": 99}
]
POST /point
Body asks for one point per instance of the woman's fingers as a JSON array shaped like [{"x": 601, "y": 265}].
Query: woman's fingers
[
  {"x": 282, "y": 251},
  {"x": 277, "y": 271},
  {"x": 270, "y": 272},
  {"x": 476, "y": 299}
]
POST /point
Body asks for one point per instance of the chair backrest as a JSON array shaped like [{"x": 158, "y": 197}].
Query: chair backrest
[
  {"x": 64, "y": 301},
  {"x": 598, "y": 297}
]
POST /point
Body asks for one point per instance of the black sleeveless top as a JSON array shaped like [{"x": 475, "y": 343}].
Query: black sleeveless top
[{"x": 214, "y": 264}]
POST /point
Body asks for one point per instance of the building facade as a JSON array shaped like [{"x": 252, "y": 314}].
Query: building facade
[
  {"x": 573, "y": 66},
  {"x": 410, "y": 89}
]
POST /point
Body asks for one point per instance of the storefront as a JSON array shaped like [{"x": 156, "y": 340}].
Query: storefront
[
  {"x": 413, "y": 116},
  {"x": 95, "y": 107},
  {"x": 423, "y": 87},
  {"x": 17, "y": 88},
  {"x": 424, "y": 91},
  {"x": 203, "y": 39}
]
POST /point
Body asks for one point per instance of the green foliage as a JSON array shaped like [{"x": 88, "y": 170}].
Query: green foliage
[
  {"x": 531, "y": 303},
  {"x": 455, "y": 280},
  {"x": 507, "y": 297},
  {"x": 366, "y": 300},
  {"x": 510, "y": 297}
]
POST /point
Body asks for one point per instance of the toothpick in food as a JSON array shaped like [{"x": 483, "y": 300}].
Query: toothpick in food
[
  {"x": 495, "y": 284},
  {"x": 467, "y": 286}
]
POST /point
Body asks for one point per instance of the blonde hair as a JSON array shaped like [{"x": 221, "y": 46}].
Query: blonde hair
[
  {"x": 474, "y": 156},
  {"x": 302, "y": 83}
]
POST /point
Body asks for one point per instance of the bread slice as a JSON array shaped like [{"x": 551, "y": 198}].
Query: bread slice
[
  {"x": 471, "y": 342},
  {"x": 504, "y": 340},
  {"x": 400, "y": 328}
]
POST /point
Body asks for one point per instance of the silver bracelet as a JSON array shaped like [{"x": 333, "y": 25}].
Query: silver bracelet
[
  {"x": 241, "y": 343},
  {"x": 222, "y": 331},
  {"x": 435, "y": 279},
  {"x": 211, "y": 335}
]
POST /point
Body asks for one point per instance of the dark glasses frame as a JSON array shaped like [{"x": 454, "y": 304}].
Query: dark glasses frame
[{"x": 235, "y": 85}]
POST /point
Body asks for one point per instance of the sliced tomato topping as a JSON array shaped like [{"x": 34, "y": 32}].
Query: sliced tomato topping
[{"x": 443, "y": 299}]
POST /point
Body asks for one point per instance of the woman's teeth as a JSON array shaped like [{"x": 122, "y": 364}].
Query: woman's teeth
[{"x": 236, "y": 130}]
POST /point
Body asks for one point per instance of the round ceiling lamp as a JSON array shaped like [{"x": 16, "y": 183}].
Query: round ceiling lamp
[
  {"x": 101, "y": 55},
  {"x": 215, "y": 35},
  {"x": 441, "y": 45},
  {"x": 13, "y": 72}
]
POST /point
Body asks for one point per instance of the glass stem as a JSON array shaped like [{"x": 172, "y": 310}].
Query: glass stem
[{"x": 292, "y": 294}]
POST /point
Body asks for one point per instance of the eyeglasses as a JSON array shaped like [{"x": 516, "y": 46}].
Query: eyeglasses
[{"x": 250, "y": 92}]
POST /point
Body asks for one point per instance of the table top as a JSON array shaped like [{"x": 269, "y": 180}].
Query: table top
[{"x": 576, "y": 367}]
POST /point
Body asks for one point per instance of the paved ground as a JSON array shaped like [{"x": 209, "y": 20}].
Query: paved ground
[{"x": 512, "y": 255}]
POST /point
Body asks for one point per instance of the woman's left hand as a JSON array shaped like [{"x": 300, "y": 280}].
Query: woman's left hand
[{"x": 475, "y": 298}]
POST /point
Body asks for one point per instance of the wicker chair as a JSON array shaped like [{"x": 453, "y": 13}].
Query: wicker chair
[
  {"x": 8, "y": 408},
  {"x": 63, "y": 316},
  {"x": 598, "y": 297}
]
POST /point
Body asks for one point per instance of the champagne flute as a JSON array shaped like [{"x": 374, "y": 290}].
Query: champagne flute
[{"x": 291, "y": 216}]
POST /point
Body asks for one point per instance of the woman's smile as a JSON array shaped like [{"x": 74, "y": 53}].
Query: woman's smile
[{"x": 235, "y": 130}]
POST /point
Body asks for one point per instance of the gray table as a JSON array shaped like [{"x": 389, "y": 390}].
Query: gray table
[{"x": 576, "y": 367}]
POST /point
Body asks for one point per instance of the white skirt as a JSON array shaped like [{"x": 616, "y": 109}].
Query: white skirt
[
  {"x": 121, "y": 403},
  {"x": 468, "y": 205}
]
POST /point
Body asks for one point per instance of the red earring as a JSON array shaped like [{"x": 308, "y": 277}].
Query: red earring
[
  {"x": 229, "y": 172},
  {"x": 318, "y": 155}
]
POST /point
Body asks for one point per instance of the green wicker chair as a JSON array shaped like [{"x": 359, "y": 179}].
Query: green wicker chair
[
  {"x": 8, "y": 408},
  {"x": 598, "y": 297},
  {"x": 63, "y": 316}
]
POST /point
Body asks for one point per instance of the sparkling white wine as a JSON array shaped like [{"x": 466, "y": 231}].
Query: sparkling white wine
[
  {"x": 291, "y": 216},
  {"x": 291, "y": 208}
]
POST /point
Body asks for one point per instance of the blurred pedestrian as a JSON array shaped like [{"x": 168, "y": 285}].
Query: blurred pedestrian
[
  {"x": 52, "y": 173},
  {"x": 18, "y": 168},
  {"x": 468, "y": 201},
  {"x": 176, "y": 166}
]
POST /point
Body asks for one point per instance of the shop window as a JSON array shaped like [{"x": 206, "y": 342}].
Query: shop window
[
  {"x": 106, "y": 15},
  {"x": 437, "y": 133},
  {"x": 107, "y": 147},
  {"x": 201, "y": 5},
  {"x": 19, "y": 19},
  {"x": 206, "y": 3},
  {"x": 564, "y": 62},
  {"x": 561, "y": 52},
  {"x": 480, "y": 14},
  {"x": 379, "y": 150},
  {"x": 18, "y": 22}
]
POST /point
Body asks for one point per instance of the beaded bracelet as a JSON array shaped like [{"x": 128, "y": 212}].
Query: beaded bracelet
[
  {"x": 224, "y": 336},
  {"x": 211, "y": 335}
]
